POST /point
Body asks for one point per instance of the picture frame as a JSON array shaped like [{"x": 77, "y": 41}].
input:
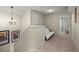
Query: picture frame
[
  {"x": 76, "y": 15},
  {"x": 15, "y": 35},
  {"x": 4, "y": 37}
]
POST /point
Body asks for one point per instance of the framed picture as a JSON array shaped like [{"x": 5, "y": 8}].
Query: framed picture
[
  {"x": 4, "y": 37},
  {"x": 15, "y": 35},
  {"x": 76, "y": 15}
]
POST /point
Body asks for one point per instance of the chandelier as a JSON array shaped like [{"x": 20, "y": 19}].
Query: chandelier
[{"x": 12, "y": 22}]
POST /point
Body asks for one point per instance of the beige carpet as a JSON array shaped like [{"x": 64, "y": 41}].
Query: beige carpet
[{"x": 58, "y": 43}]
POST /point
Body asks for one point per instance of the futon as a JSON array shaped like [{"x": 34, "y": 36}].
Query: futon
[{"x": 48, "y": 34}]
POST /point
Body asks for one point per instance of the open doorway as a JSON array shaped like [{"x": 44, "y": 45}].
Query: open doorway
[{"x": 64, "y": 24}]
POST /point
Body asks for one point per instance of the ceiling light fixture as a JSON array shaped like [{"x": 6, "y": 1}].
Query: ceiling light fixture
[
  {"x": 12, "y": 22},
  {"x": 51, "y": 10}
]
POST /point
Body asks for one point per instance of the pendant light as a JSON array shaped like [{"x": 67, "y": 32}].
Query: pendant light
[
  {"x": 11, "y": 12},
  {"x": 12, "y": 22}
]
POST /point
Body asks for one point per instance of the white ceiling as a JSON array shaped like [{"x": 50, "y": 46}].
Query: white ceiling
[{"x": 42, "y": 9}]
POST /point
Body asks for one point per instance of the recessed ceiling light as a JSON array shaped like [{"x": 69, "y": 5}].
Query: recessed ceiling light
[{"x": 51, "y": 10}]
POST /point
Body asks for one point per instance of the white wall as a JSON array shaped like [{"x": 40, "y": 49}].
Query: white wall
[
  {"x": 4, "y": 25},
  {"x": 26, "y": 20},
  {"x": 37, "y": 18},
  {"x": 21, "y": 45},
  {"x": 52, "y": 21},
  {"x": 75, "y": 31}
]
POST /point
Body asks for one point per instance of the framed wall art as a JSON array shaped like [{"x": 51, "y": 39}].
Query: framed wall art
[
  {"x": 15, "y": 35},
  {"x": 76, "y": 15},
  {"x": 4, "y": 37}
]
